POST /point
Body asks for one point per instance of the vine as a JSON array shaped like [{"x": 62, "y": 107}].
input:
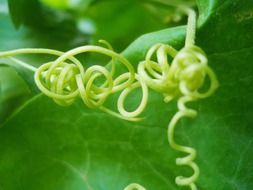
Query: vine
[{"x": 65, "y": 79}]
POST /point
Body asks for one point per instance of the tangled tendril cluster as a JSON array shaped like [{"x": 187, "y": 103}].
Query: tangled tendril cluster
[
  {"x": 182, "y": 79},
  {"x": 178, "y": 75},
  {"x": 65, "y": 79}
]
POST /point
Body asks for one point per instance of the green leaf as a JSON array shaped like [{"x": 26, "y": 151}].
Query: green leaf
[
  {"x": 49, "y": 27},
  {"x": 44, "y": 146},
  {"x": 13, "y": 92},
  {"x": 15, "y": 8},
  {"x": 26, "y": 12},
  {"x": 118, "y": 22},
  {"x": 27, "y": 75}
]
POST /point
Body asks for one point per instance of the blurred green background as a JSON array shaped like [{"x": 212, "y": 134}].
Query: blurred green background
[{"x": 69, "y": 23}]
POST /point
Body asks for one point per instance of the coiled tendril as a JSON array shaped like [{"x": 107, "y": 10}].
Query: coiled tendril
[
  {"x": 65, "y": 79},
  {"x": 64, "y": 82},
  {"x": 182, "y": 80}
]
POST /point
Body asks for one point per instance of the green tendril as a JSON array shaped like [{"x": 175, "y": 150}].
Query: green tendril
[
  {"x": 181, "y": 80},
  {"x": 65, "y": 79},
  {"x": 134, "y": 186}
]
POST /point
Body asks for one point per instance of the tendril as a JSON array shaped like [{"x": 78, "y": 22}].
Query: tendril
[
  {"x": 187, "y": 160},
  {"x": 134, "y": 186},
  {"x": 181, "y": 80},
  {"x": 65, "y": 79}
]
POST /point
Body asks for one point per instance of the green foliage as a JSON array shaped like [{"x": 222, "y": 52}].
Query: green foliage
[
  {"x": 44, "y": 146},
  {"x": 52, "y": 28},
  {"x": 13, "y": 92}
]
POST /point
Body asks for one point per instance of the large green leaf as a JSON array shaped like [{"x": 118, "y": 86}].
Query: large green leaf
[{"x": 44, "y": 146}]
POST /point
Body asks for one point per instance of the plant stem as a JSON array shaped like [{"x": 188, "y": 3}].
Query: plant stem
[{"x": 191, "y": 28}]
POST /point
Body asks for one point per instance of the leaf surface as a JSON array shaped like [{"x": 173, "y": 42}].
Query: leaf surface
[{"x": 44, "y": 146}]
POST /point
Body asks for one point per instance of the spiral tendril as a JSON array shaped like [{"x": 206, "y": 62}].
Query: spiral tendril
[
  {"x": 65, "y": 79},
  {"x": 182, "y": 80}
]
